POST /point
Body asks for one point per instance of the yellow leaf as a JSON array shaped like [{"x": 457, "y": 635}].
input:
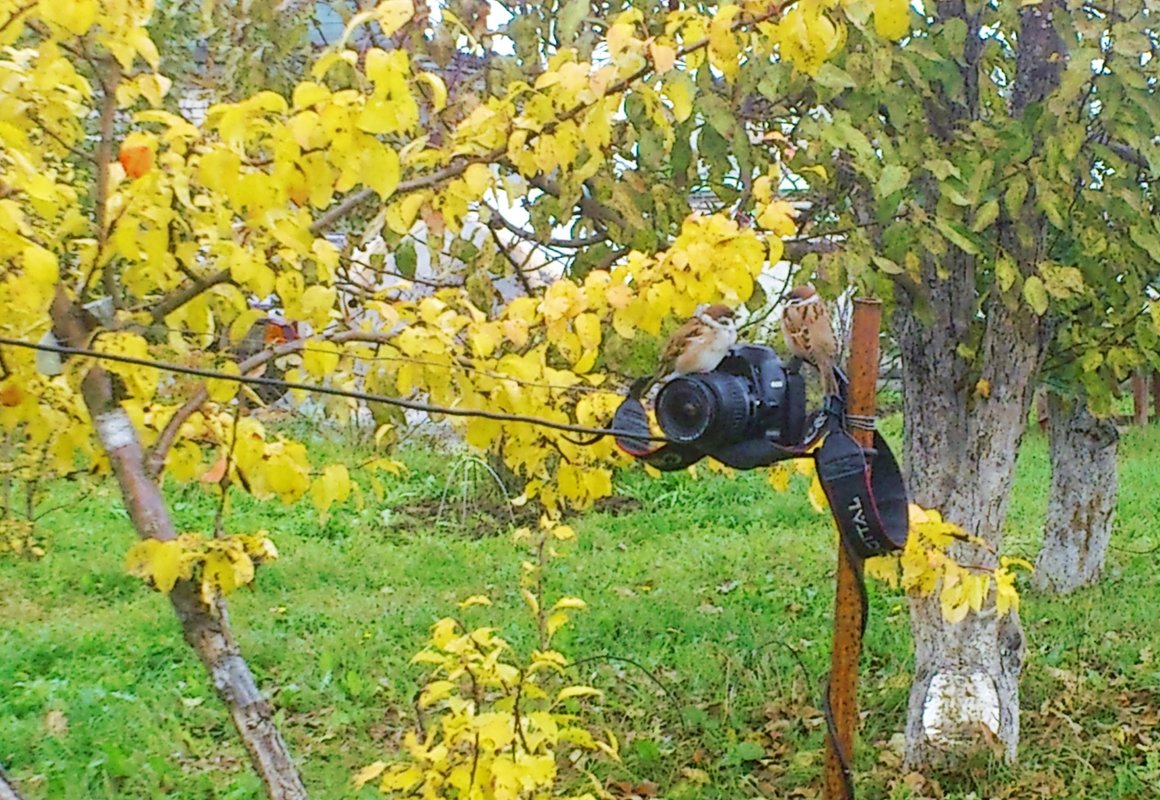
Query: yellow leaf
[
  {"x": 570, "y": 603},
  {"x": 588, "y": 329},
  {"x": 320, "y": 359},
  {"x": 884, "y": 568},
  {"x": 368, "y": 774},
  {"x": 778, "y": 217},
  {"x": 679, "y": 90},
  {"x": 531, "y": 600},
  {"x": 332, "y": 486},
  {"x": 438, "y": 89},
  {"x": 401, "y": 215},
  {"x": 475, "y": 600},
  {"x": 556, "y": 620},
  {"x": 983, "y": 388},
  {"x": 435, "y": 691},
  {"x": 1036, "y": 294},
  {"x": 393, "y": 14},
  {"x": 892, "y": 18},
  {"x": 779, "y": 477},
  {"x": 157, "y": 561},
  {"x": 578, "y": 691},
  {"x": 477, "y": 177},
  {"x": 220, "y": 390},
  {"x": 443, "y": 632},
  {"x": 564, "y": 533}
]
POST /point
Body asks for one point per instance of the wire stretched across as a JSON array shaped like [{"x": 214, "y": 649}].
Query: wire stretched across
[
  {"x": 400, "y": 359},
  {"x": 255, "y": 380}
]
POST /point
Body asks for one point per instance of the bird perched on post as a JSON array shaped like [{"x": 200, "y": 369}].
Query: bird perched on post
[
  {"x": 698, "y": 345},
  {"x": 805, "y": 324}
]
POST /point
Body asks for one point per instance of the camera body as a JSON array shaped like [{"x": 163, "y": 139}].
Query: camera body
[{"x": 748, "y": 412}]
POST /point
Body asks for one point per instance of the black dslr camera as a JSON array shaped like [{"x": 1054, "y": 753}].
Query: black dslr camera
[
  {"x": 748, "y": 412},
  {"x": 751, "y": 412}
]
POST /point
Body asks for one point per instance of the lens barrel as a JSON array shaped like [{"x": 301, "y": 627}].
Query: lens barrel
[{"x": 705, "y": 409}]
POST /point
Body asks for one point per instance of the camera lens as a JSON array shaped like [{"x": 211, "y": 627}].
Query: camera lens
[{"x": 703, "y": 409}]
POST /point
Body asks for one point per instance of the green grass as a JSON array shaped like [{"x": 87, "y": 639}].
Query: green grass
[{"x": 707, "y": 585}]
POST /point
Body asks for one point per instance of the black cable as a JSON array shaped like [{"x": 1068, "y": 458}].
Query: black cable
[{"x": 413, "y": 405}]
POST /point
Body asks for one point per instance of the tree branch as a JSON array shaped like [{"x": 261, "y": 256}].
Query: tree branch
[
  {"x": 155, "y": 458},
  {"x": 169, "y": 304},
  {"x": 17, "y": 14},
  {"x": 103, "y": 157}
]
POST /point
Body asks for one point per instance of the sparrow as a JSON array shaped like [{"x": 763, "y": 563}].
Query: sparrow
[
  {"x": 699, "y": 344},
  {"x": 805, "y": 324}
]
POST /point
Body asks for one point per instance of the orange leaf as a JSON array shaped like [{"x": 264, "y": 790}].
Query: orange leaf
[
  {"x": 136, "y": 160},
  {"x": 215, "y": 473}
]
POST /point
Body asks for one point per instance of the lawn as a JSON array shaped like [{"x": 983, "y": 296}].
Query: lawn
[{"x": 708, "y": 630}]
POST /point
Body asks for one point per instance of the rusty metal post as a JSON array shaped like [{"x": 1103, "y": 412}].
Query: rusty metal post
[
  {"x": 1140, "y": 397},
  {"x": 863, "y": 372}
]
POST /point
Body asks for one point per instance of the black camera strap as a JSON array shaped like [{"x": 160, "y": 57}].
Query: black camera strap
[{"x": 865, "y": 489}]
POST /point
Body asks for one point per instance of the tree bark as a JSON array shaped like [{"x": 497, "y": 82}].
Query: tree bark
[
  {"x": 960, "y": 455},
  {"x": 206, "y": 628},
  {"x": 1156, "y": 394},
  {"x": 1083, "y": 497},
  {"x": 7, "y": 790}
]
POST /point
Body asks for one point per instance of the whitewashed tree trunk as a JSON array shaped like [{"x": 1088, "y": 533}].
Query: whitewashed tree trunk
[
  {"x": 7, "y": 790},
  {"x": 966, "y": 414},
  {"x": 960, "y": 456},
  {"x": 1083, "y": 497},
  {"x": 207, "y": 630}
]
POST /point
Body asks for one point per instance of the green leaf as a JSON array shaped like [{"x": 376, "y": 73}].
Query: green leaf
[
  {"x": 570, "y": 18},
  {"x": 1035, "y": 294},
  {"x": 886, "y": 265},
  {"x": 894, "y": 178},
  {"x": 1006, "y": 272},
  {"x": 1050, "y": 203},
  {"x": 406, "y": 259},
  {"x": 942, "y": 169},
  {"x": 1091, "y": 360},
  {"x": 1145, "y": 237},
  {"x": 757, "y": 300},
  {"x": 745, "y": 751},
  {"x": 1062, "y": 282},
  {"x": 1015, "y": 195},
  {"x": 833, "y": 77},
  {"x": 985, "y": 216},
  {"x": 957, "y": 235}
]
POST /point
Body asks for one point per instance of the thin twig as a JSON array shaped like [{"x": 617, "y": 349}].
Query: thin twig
[
  {"x": 167, "y": 305},
  {"x": 155, "y": 458}
]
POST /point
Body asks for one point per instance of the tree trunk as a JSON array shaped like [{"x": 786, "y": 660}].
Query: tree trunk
[
  {"x": 1083, "y": 497},
  {"x": 7, "y": 791},
  {"x": 206, "y": 629},
  {"x": 960, "y": 455},
  {"x": 1156, "y": 394}
]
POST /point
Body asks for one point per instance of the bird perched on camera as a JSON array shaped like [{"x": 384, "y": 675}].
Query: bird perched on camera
[
  {"x": 698, "y": 345},
  {"x": 805, "y": 324}
]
